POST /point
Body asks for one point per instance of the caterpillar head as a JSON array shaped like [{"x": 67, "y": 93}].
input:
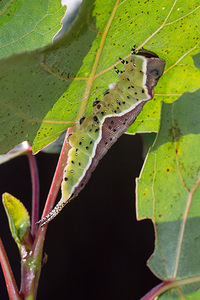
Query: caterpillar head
[
  {"x": 155, "y": 68},
  {"x": 155, "y": 65}
]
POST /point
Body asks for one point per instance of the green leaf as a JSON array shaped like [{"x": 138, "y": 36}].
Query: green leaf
[
  {"x": 32, "y": 82},
  {"x": 15, "y": 152},
  {"x": 28, "y": 25},
  {"x": 196, "y": 59},
  {"x": 18, "y": 218},
  {"x": 59, "y": 83},
  {"x": 116, "y": 39},
  {"x": 168, "y": 192},
  {"x": 177, "y": 294}
]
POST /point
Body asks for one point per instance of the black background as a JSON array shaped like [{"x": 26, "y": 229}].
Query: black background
[{"x": 96, "y": 249}]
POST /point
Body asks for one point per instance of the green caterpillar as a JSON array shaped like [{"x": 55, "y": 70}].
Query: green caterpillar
[{"x": 93, "y": 135}]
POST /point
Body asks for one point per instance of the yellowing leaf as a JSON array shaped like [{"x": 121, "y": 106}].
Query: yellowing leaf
[{"x": 18, "y": 217}]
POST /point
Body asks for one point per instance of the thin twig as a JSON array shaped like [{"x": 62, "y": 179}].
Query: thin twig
[
  {"x": 35, "y": 190},
  {"x": 8, "y": 275},
  {"x": 168, "y": 285},
  {"x": 152, "y": 294},
  {"x": 55, "y": 186}
]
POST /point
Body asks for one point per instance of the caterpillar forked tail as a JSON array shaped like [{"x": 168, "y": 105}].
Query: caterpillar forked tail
[{"x": 54, "y": 212}]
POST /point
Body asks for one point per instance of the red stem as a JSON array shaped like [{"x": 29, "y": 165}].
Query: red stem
[
  {"x": 35, "y": 190},
  {"x": 55, "y": 186},
  {"x": 157, "y": 290},
  {"x": 8, "y": 275},
  {"x": 30, "y": 275}
]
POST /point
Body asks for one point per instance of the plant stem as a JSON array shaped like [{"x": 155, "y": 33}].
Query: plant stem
[
  {"x": 35, "y": 190},
  {"x": 8, "y": 275},
  {"x": 154, "y": 292},
  {"x": 31, "y": 266},
  {"x": 30, "y": 273},
  {"x": 55, "y": 186},
  {"x": 169, "y": 284},
  {"x": 58, "y": 176}
]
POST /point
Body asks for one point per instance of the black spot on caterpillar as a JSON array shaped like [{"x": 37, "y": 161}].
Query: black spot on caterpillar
[
  {"x": 93, "y": 135},
  {"x": 81, "y": 120},
  {"x": 96, "y": 101}
]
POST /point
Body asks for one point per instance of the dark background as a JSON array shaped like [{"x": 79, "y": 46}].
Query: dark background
[{"x": 96, "y": 249}]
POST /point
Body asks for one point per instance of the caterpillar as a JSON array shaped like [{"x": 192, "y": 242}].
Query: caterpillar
[{"x": 92, "y": 136}]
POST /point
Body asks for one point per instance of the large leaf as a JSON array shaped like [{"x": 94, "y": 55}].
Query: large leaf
[
  {"x": 29, "y": 86},
  {"x": 168, "y": 192},
  {"x": 121, "y": 26},
  {"x": 28, "y": 25},
  {"x": 64, "y": 73}
]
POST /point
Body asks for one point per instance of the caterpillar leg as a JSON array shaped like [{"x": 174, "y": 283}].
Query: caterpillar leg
[
  {"x": 55, "y": 211},
  {"x": 133, "y": 50},
  {"x": 124, "y": 62},
  {"x": 117, "y": 71}
]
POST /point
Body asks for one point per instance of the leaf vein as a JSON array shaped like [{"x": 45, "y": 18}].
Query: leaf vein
[{"x": 92, "y": 75}]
